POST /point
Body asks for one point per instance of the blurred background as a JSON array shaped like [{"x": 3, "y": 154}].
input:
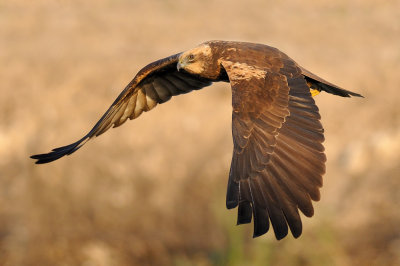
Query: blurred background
[{"x": 152, "y": 192}]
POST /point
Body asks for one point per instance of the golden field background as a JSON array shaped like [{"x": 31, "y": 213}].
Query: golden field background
[{"x": 152, "y": 192}]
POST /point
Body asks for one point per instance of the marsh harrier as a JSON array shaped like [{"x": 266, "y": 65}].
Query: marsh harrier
[{"x": 278, "y": 157}]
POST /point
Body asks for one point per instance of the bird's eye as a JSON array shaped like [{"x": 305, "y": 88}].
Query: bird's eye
[{"x": 190, "y": 57}]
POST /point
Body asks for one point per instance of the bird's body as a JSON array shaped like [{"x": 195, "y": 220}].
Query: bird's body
[{"x": 278, "y": 157}]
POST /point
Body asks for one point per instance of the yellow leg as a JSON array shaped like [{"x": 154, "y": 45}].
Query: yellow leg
[{"x": 314, "y": 92}]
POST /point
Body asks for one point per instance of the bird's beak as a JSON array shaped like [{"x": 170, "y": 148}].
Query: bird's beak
[{"x": 181, "y": 64}]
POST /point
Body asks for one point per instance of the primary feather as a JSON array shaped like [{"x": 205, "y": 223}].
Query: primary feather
[{"x": 278, "y": 158}]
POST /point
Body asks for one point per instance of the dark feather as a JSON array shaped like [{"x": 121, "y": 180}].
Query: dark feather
[
  {"x": 155, "y": 83},
  {"x": 278, "y": 158}
]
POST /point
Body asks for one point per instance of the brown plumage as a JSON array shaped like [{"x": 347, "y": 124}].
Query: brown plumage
[{"x": 278, "y": 157}]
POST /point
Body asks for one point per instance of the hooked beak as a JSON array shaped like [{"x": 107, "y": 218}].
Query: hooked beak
[{"x": 180, "y": 65}]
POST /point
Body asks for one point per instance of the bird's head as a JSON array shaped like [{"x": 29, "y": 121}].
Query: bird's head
[{"x": 199, "y": 61}]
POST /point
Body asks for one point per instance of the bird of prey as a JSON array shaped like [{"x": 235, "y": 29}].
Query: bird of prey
[{"x": 278, "y": 158}]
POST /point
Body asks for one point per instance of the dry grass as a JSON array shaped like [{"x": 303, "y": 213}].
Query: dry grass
[{"x": 152, "y": 191}]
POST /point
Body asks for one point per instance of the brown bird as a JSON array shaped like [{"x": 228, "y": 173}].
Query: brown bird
[{"x": 278, "y": 157}]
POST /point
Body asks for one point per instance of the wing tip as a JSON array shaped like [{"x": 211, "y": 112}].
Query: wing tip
[
  {"x": 44, "y": 158},
  {"x": 230, "y": 204},
  {"x": 339, "y": 91},
  {"x": 57, "y": 153},
  {"x": 260, "y": 232},
  {"x": 354, "y": 94},
  {"x": 255, "y": 235},
  {"x": 296, "y": 234},
  {"x": 281, "y": 232},
  {"x": 278, "y": 236}
]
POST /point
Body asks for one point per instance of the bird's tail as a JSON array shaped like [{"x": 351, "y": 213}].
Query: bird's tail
[{"x": 318, "y": 84}]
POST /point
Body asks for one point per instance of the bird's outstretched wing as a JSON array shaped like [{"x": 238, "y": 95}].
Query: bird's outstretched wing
[
  {"x": 278, "y": 158},
  {"x": 155, "y": 83}
]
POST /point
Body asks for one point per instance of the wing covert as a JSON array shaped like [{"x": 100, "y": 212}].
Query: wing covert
[
  {"x": 156, "y": 83},
  {"x": 278, "y": 160}
]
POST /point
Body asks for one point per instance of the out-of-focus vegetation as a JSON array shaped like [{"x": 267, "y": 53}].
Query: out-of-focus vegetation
[{"x": 152, "y": 192}]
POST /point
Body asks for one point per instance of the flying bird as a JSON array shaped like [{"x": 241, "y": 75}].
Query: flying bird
[{"x": 278, "y": 158}]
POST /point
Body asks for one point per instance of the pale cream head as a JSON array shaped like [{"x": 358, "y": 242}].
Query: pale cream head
[{"x": 196, "y": 60}]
